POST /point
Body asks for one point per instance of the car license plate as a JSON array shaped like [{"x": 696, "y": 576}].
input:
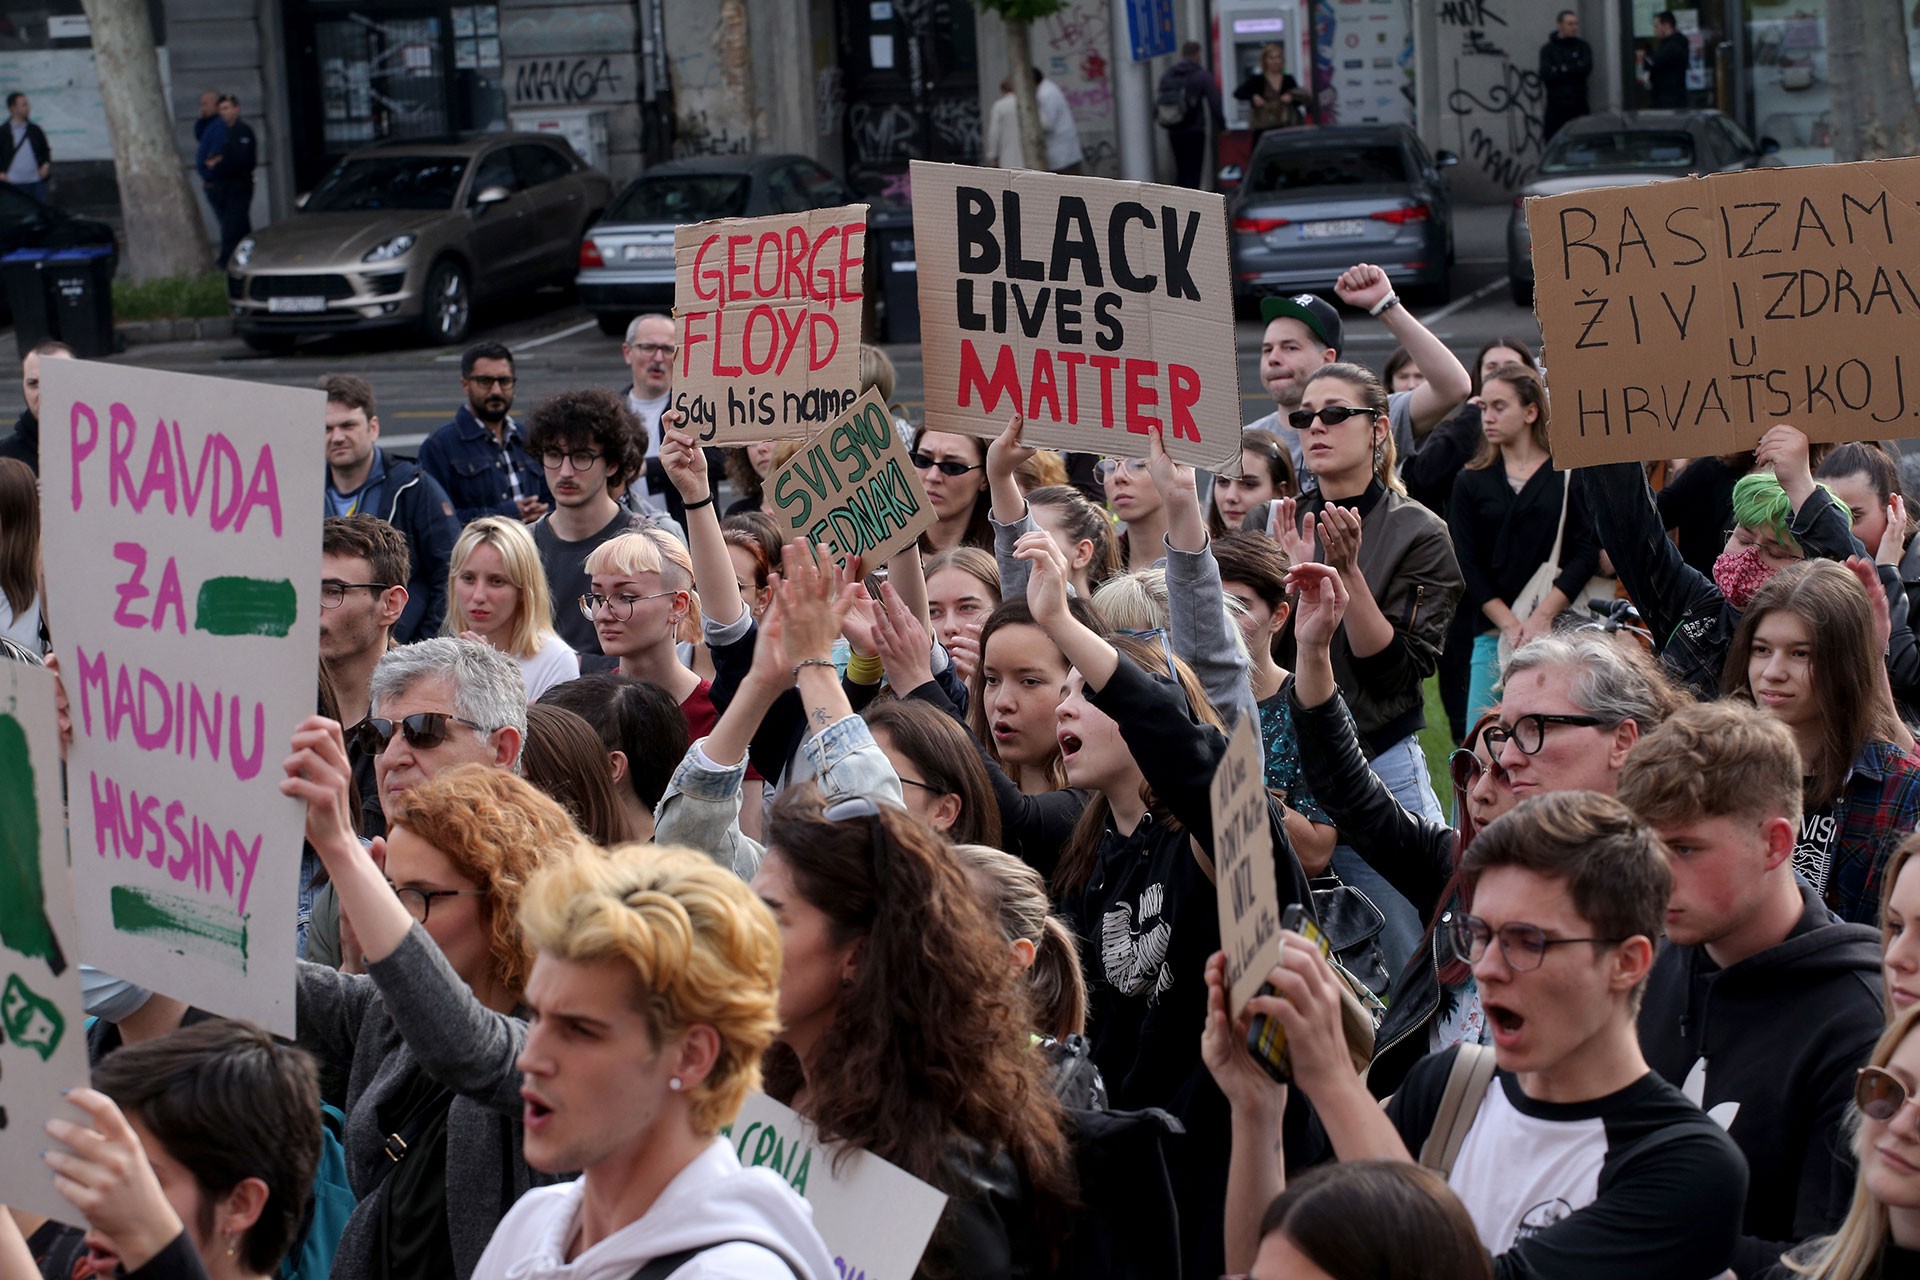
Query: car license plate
[
  {"x": 646, "y": 252},
  {"x": 296, "y": 304},
  {"x": 1333, "y": 230}
]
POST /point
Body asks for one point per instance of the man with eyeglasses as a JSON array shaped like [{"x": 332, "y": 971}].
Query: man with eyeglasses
[
  {"x": 589, "y": 444},
  {"x": 481, "y": 457},
  {"x": 649, "y": 349},
  {"x": 1577, "y": 1162},
  {"x": 434, "y": 705},
  {"x": 362, "y": 479},
  {"x": 1763, "y": 1003},
  {"x": 1305, "y": 331}
]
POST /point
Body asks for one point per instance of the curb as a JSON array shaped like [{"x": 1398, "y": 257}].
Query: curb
[{"x": 136, "y": 333}]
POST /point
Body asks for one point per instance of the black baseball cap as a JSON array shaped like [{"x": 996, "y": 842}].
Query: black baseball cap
[{"x": 1316, "y": 313}]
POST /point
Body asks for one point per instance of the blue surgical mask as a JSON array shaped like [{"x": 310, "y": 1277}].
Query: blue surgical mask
[{"x": 108, "y": 998}]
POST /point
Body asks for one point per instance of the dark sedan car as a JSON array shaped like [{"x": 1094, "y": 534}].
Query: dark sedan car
[
  {"x": 626, "y": 261},
  {"x": 1317, "y": 200},
  {"x": 26, "y": 223},
  {"x": 1626, "y": 149}
]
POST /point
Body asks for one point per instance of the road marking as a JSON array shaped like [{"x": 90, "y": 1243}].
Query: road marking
[
  {"x": 518, "y": 347},
  {"x": 1458, "y": 304}
]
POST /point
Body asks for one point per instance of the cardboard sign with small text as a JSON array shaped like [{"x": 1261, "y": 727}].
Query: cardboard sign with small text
[
  {"x": 1243, "y": 866},
  {"x": 1098, "y": 309},
  {"x": 875, "y": 1218},
  {"x": 853, "y": 488},
  {"x": 1684, "y": 318},
  {"x": 769, "y": 311}
]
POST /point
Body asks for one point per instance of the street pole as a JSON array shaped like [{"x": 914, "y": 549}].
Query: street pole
[{"x": 1133, "y": 125}]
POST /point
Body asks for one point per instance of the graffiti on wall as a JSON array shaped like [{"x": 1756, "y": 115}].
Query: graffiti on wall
[
  {"x": 567, "y": 80},
  {"x": 829, "y": 101},
  {"x": 1072, "y": 47},
  {"x": 1494, "y": 102}
]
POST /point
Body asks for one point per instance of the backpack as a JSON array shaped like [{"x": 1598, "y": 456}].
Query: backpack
[
  {"x": 1175, "y": 102},
  {"x": 1121, "y": 1160},
  {"x": 1460, "y": 1101},
  {"x": 665, "y": 1265},
  {"x": 311, "y": 1257}
]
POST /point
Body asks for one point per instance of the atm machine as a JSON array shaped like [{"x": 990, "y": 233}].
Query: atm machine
[{"x": 1241, "y": 29}]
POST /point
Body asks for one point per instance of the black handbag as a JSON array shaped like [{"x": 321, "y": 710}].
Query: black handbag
[{"x": 1353, "y": 926}]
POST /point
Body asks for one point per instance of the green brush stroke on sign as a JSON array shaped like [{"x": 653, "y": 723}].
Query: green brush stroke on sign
[
  {"x": 186, "y": 926},
  {"x": 246, "y": 607},
  {"x": 24, "y": 926}
]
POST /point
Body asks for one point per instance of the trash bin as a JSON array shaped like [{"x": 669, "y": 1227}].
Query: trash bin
[
  {"x": 891, "y": 231},
  {"x": 21, "y": 274},
  {"x": 80, "y": 299}
]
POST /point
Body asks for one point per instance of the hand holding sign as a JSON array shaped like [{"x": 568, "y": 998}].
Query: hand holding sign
[
  {"x": 1223, "y": 1047},
  {"x": 1785, "y": 449},
  {"x": 1309, "y": 1008},
  {"x": 683, "y": 460}
]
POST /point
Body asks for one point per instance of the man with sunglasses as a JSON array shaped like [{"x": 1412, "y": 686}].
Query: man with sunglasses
[
  {"x": 589, "y": 444},
  {"x": 481, "y": 457},
  {"x": 1763, "y": 1004},
  {"x": 436, "y": 704},
  {"x": 1305, "y": 331},
  {"x": 1577, "y": 1162}
]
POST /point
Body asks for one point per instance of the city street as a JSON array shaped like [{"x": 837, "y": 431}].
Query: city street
[{"x": 557, "y": 345}]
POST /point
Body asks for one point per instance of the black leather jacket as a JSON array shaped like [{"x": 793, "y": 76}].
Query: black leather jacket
[{"x": 1414, "y": 854}]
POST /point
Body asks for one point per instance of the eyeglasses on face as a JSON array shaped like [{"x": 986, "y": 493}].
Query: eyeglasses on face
[
  {"x": 1333, "y": 415},
  {"x": 1465, "y": 765},
  {"x": 1522, "y": 946},
  {"x": 1107, "y": 466},
  {"x": 619, "y": 608},
  {"x": 423, "y": 730},
  {"x": 1771, "y": 548},
  {"x": 419, "y": 902},
  {"x": 487, "y": 380},
  {"x": 1529, "y": 732},
  {"x": 333, "y": 592},
  {"x": 581, "y": 459},
  {"x": 1879, "y": 1093},
  {"x": 653, "y": 348},
  {"x": 945, "y": 466},
  {"x": 927, "y": 787}
]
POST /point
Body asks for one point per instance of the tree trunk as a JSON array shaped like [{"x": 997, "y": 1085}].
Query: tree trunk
[
  {"x": 1020, "y": 54},
  {"x": 165, "y": 236},
  {"x": 1873, "y": 109}
]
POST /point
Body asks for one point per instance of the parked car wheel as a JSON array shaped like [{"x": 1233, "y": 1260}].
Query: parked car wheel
[
  {"x": 447, "y": 309},
  {"x": 1522, "y": 291},
  {"x": 275, "y": 344},
  {"x": 612, "y": 325}
]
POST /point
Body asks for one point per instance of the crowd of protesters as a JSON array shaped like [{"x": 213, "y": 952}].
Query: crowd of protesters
[{"x": 619, "y": 810}]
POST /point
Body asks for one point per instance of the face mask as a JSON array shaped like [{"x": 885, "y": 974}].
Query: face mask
[
  {"x": 108, "y": 998},
  {"x": 1739, "y": 574}
]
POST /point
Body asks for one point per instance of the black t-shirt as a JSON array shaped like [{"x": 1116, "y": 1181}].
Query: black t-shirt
[
  {"x": 568, "y": 579},
  {"x": 1813, "y": 848},
  {"x": 1639, "y": 1183}
]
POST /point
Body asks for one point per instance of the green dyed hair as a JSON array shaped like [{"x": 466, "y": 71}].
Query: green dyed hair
[{"x": 1760, "y": 503}]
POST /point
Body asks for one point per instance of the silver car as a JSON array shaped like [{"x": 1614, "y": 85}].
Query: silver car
[
  {"x": 414, "y": 234},
  {"x": 1628, "y": 149}
]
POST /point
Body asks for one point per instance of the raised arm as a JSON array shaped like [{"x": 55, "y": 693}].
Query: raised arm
[
  {"x": 686, "y": 467},
  {"x": 1447, "y": 385},
  {"x": 1256, "y": 1168},
  {"x": 1197, "y": 623},
  {"x": 1008, "y": 515}
]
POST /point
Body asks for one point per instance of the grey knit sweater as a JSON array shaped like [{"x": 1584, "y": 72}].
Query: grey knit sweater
[{"x": 354, "y": 1022}]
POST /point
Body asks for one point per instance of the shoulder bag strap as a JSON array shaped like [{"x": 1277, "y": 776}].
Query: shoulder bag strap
[
  {"x": 1466, "y": 1087},
  {"x": 662, "y": 1267}
]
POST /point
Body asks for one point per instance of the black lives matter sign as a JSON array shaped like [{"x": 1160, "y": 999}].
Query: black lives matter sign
[
  {"x": 1684, "y": 318},
  {"x": 1100, "y": 311}
]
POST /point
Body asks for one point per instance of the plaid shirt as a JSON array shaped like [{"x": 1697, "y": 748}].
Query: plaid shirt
[{"x": 1879, "y": 805}]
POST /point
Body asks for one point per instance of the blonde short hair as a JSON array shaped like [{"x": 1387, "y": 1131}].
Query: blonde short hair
[
  {"x": 704, "y": 951},
  {"x": 533, "y": 620},
  {"x": 652, "y": 551}
]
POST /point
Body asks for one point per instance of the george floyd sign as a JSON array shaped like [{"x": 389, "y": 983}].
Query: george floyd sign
[
  {"x": 769, "y": 312},
  {"x": 1099, "y": 310},
  {"x": 1684, "y": 318},
  {"x": 853, "y": 489}
]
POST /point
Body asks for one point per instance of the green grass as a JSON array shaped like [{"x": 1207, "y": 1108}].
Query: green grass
[
  {"x": 173, "y": 297},
  {"x": 1437, "y": 741}
]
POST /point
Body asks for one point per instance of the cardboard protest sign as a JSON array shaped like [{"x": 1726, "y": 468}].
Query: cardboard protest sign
[
  {"x": 853, "y": 488},
  {"x": 43, "y": 1043},
  {"x": 1243, "y": 865},
  {"x": 769, "y": 311},
  {"x": 1098, "y": 309},
  {"x": 182, "y": 519},
  {"x": 1686, "y": 317},
  {"x": 875, "y": 1219}
]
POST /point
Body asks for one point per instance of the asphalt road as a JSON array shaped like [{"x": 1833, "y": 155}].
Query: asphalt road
[{"x": 557, "y": 346}]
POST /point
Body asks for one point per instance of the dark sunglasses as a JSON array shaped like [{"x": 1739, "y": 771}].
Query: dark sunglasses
[
  {"x": 1879, "y": 1094},
  {"x": 946, "y": 466},
  {"x": 1465, "y": 766},
  {"x": 423, "y": 731},
  {"x": 1333, "y": 415}
]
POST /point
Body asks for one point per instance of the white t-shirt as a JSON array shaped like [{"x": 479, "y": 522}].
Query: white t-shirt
[
  {"x": 24, "y": 167},
  {"x": 556, "y": 663},
  {"x": 1056, "y": 124},
  {"x": 25, "y": 629},
  {"x": 649, "y": 411}
]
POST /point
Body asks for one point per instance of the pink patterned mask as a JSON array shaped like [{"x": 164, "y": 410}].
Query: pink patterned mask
[{"x": 1739, "y": 574}]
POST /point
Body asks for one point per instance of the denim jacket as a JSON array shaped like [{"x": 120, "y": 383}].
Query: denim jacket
[
  {"x": 701, "y": 805},
  {"x": 467, "y": 461}
]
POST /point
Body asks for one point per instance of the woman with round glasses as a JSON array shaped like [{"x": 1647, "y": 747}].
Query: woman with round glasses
[
  {"x": 497, "y": 594},
  {"x": 954, "y": 470},
  {"x": 1880, "y": 1239},
  {"x": 427, "y": 1036},
  {"x": 1136, "y": 503}
]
